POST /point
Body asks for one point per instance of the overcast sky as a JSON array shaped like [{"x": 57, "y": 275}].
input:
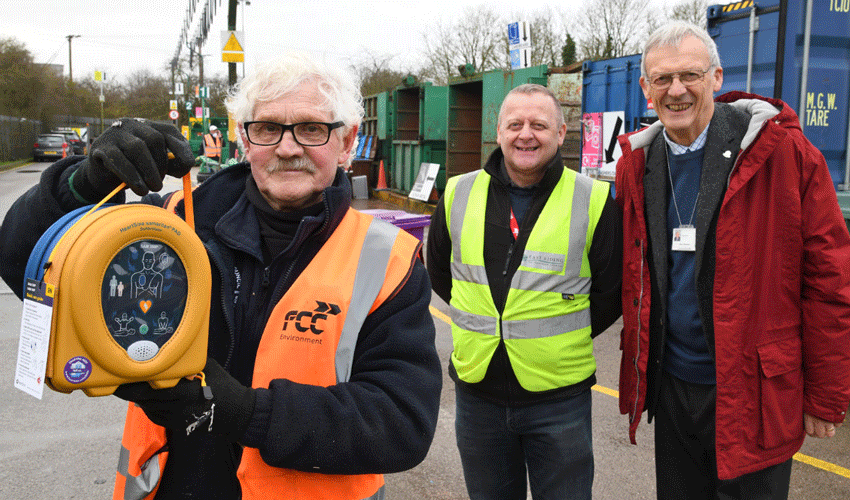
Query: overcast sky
[{"x": 122, "y": 36}]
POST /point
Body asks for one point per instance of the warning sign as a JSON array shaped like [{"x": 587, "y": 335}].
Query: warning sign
[{"x": 231, "y": 47}]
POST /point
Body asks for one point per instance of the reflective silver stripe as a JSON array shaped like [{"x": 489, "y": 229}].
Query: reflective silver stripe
[
  {"x": 539, "y": 282},
  {"x": 579, "y": 220},
  {"x": 471, "y": 274},
  {"x": 138, "y": 487},
  {"x": 459, "y": 206},
  {"x": 473, "y": 322},
  {"x": 545, "y": 327},
  {"x": 379, "y": 495},
  {"x": 368, "y": 281}
]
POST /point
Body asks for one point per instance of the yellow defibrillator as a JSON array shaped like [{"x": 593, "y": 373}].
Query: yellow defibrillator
[{"x": 131, "y": 295}]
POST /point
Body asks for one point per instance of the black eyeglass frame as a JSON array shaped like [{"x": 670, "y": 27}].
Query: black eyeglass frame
[
  {"x": 678, "y": 74},
  {"x": 291, "y": 127}
]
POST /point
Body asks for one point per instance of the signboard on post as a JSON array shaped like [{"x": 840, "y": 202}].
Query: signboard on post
[
  {"x": 519, "y": 44},
  {"x": 231, "y": 47}
]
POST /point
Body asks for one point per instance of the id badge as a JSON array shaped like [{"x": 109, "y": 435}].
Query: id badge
[{"x": 684, "y": 239}]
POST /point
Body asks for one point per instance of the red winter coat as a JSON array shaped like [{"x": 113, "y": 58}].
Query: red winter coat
[{"x": 781, "y": 291}]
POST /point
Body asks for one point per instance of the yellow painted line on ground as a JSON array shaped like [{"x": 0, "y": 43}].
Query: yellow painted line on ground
[
  {"x": 605, "y": 390},
  {"x": 814, "y": 462},
  {"x": 820, "y": 464}
]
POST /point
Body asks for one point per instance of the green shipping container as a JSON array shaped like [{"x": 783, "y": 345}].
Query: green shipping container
[
  {"x": 420, "y": 112},
  {"x": 473, "y": 114},
  {"x": 378, "y": 122}
]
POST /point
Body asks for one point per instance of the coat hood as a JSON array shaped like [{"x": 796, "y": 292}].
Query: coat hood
[{"x": 761, "y": 109}]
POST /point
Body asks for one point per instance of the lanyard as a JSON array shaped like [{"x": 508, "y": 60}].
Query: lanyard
[{"x": 673, "y": 192}]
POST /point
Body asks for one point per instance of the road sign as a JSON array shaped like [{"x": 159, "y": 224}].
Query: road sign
[
  {"x": 178, "y": 88},
  {"x": 231, "y": 47},
  {"x": 520, "y": 58},
  {"x": 519, "y": 44},
  {"x": 188, "y": 106},
  {"x": 172, "y": 104},
  {"x": 519, "y": 36},
  {"x": 99, "y": 76},
  {"x": 173, "y": 114}
]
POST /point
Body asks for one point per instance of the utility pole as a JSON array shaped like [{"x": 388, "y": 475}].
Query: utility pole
[
  {"x": 201, "y": 86},
  {"x": 70, "y": 67},
  {"x": 231, "y": 25}
]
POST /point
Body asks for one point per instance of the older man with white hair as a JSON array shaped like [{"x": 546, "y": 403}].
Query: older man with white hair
[
  {"x": 736, "y": 289},
  {"x": 321, "y": 363}
]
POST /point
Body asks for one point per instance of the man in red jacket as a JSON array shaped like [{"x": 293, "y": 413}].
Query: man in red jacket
[{"x": 736, "y": 287}]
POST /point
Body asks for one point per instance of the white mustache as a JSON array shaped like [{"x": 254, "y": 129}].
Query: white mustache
[{"x": 297, "y": 165}]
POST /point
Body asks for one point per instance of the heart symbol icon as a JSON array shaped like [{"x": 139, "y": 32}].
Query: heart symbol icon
[{"x": 144, "y": 305}]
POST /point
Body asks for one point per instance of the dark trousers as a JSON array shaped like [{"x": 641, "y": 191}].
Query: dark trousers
[{"x": 685, "y": 461}]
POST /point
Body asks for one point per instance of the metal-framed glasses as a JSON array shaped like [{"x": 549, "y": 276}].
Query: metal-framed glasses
[
  {"x": 686, "y": 78},
  {"x": 304, "y": 133}
]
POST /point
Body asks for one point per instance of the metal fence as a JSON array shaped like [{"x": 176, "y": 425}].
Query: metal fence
[{"x": 17, "y": 136}]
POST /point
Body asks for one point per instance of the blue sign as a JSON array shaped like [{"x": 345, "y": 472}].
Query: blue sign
[
  {"x": 513, "y": 35},
  {"x": 516, "y": 62}
]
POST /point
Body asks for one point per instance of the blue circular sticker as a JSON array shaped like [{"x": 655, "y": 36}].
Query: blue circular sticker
[{"x": 77, "y": 369}]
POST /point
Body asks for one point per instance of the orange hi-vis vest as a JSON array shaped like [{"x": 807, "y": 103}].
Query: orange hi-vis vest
[
  {"x": 212, "y": 145},
  {"x": 316, "y": 322}
]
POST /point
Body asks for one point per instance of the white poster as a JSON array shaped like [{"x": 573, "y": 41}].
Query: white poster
[
  {"x": 613, "y": 125},
  {"x": 424, "y": 183}
]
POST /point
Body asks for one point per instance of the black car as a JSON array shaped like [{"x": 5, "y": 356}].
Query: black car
[
  {"x": 49, "y": 147},
  {"x": 73, "y": 139}
]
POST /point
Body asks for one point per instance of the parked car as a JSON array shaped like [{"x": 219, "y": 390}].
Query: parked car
[
  {"x": 73, "y": 139},
  {"x": 49, "y": 147}
]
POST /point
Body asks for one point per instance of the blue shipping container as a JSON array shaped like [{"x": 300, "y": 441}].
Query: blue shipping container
[
  {"x": 797, "y": 51},
  {"x": 614, "y": 85}
]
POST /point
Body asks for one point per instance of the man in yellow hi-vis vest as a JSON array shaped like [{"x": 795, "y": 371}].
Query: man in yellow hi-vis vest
[
  {"x": 527, "y": 253},
  {"x": 322, "y": 373}
]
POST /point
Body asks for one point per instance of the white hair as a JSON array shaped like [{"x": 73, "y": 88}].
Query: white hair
[
  {"x": 279, "y": 77},
  {"x": 672, "y": 34}
]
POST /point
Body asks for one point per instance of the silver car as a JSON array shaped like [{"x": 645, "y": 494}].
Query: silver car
[{"x": 49, "y": 147}]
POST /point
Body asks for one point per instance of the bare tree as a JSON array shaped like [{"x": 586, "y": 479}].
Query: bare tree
[
  {"x": 612, "y": 28},
  {"x": 548, "y": 32},
  {"x": 693, "y": 11},
  {"x": 375, "y": 73},
  {"x": 476, "y": 38}
]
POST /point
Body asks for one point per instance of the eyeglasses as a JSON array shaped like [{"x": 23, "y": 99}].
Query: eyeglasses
[
  {"x": 687, "y": 78},
  {"x": 304, "y": 133}
]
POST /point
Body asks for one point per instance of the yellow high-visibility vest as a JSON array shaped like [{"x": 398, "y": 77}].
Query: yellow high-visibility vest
[{"x": 546, "y": 320}]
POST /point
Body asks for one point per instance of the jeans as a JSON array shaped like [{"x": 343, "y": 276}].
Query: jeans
[{"x": 550, "y": 442}]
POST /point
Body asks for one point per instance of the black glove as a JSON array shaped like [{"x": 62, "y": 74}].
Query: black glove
[
  {"x": 135, "y": 151},
  {"x": 225, "y": 409}
]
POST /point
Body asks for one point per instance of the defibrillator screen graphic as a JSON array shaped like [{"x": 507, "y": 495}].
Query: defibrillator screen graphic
[{"x": 144, "y": 294}]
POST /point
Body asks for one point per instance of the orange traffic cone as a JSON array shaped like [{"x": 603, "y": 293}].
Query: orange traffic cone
[
  {"x": 382, "y": 177},
  {"x": 64, "y": 152}
]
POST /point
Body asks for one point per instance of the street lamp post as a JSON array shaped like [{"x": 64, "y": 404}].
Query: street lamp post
[{"x": 244, "y": 3}]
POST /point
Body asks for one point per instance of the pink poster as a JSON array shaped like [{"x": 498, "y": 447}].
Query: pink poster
[{"x": 591, "y": 150}]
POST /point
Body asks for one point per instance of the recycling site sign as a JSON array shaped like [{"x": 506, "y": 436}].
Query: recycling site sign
[{"x": 519, "y": 44}]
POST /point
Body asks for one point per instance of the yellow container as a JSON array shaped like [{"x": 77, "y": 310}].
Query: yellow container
[{"x": 132, "y": 301}]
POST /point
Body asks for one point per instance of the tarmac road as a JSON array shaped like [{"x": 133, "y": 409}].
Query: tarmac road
[{"x": 66, "y": 446}]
